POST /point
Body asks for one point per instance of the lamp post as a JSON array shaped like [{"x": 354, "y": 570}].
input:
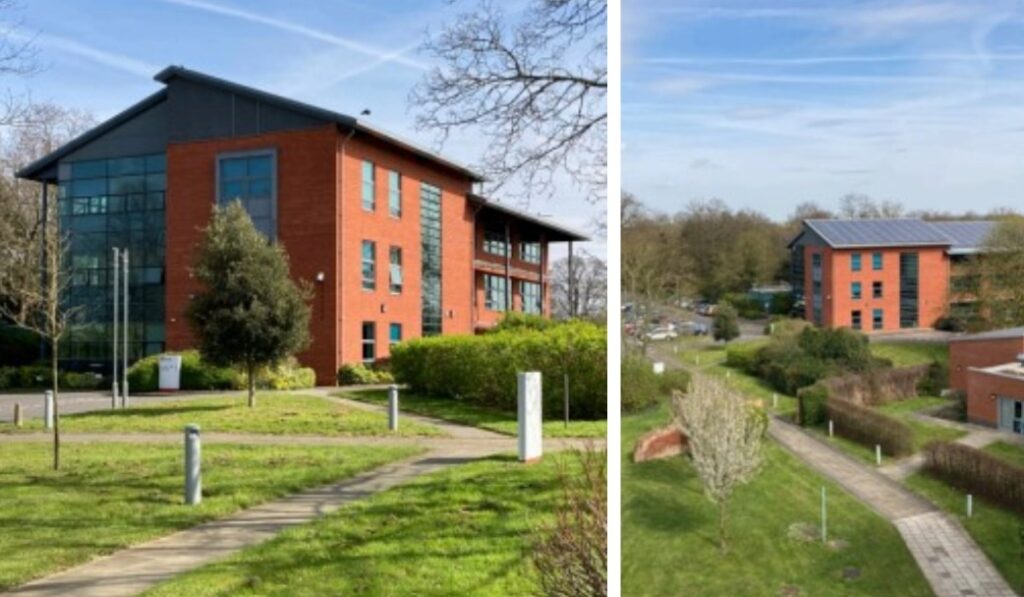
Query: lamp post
[
  {"x": 113, "y": 337},
  {"x": 124, "y": 356}
]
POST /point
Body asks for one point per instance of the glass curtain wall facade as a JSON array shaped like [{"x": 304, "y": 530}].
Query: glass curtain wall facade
[
  {"x": 430, "y": 235},
  {"x": 103, "y": 204},
  {"x": 908, "y": 290}
]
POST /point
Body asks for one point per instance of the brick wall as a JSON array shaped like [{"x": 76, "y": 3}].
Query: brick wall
[
  {"x": 982, "y": 390},
  {"x": 964, "y": 354},
  {"x": 306, "y": 216}
]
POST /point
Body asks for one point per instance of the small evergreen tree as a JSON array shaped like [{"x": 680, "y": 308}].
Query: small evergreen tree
[
  {"x": 249, "y": 313},
  {"x": 725, "y": 325}
]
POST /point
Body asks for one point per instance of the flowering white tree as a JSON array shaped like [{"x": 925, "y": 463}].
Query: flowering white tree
[{"x": 724, "y": 439}]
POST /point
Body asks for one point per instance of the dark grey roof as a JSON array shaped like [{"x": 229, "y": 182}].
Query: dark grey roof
[
  {"x": 559, "y": 233},
  {"x": 959, "y": 236},
  {"x": 164, "y": 76},
  {"x": 1003, "y": 334},
  {"x": 36, "y": 168},
  {"x": 966, "y": 236},
  {"x": 878, "y": 233}
]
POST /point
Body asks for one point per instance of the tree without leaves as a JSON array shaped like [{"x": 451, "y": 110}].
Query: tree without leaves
[
  {"x": 534, "y": 86},
  {"x": 590, "y": 288},
  {"x": 999, "y": 272},
  {"x": 33, "y": 282},
  {"x": 724, "y": 440},
  {"x": 250, "y": 312}
]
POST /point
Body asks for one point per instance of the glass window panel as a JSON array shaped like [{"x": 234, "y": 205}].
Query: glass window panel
[
  {"x": 369, "y": 189},
  {"x": 115, "y": 203},
  {"x": 156, "y": 182},
  {"x": 260, "y": 187},
  {"x": 122, "y": 166},
  {"x": 232, "y": 169},
  {"x": 127, "y": 184},
  {"x": 258, "y": 208},
  {"x": 89, "y": 169},
  {"x": 229, "y": 191},
  {"x": 259, "y": 167},
  {"x": 155, "y": 200},
  {"x": 87, "y": 187},
  {"x": 156, "y": 163},
  {"x": 136, "y": 202}
]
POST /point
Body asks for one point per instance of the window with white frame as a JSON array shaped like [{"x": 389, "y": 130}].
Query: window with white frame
[
  {"x": 369, "y": 257},
  {"x": 495, "y": 296},
  {"x": 369, "y": 186},
  {"x": 395, "y": 270},
  {"x": 529, "y": 252},
  {"x": 531, "y": 296},
  {"x": 494, "y": 240},
  {"x": 394, "y": 193}
]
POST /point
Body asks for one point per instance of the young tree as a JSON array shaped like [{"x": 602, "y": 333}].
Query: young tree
[
  {"x": 999, "y": 272},
  {"x": 33, "y": 283},
  {"x": 249, "y": 313},
  {"x": 724, "y": 440},
  {"x": 533, "y": 84},
  {"x": 725, "y": 325},
  {"x": 589, "y": 285}
]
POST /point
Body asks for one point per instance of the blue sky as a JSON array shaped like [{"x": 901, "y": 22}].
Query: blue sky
[
  {"x": 101, "y": 55},
  {"x": 767, "y": 104}
]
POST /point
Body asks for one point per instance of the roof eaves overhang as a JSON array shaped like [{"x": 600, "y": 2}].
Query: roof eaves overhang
[{"x": 562, "y": 233}]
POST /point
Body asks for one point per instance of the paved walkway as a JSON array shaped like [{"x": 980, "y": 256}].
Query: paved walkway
[
  {"x": 953, "y": 564},
  {"x": 135, "y": 569}
]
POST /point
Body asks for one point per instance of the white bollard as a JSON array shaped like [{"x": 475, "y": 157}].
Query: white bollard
[
  {"x": 530, "y": 416},
  {"x": 728, "y": 374},
  {"x": 659, "y": 368},
  {"x": 970, "y": 505},
  {"x": 193, "y": 465},
  {"x": 113, "y": 396},
  {"x": 831, "y": 428},
  {"x": 48, "y": 409},
  {"x": 775, "y": 400},
  {"x": 878, "y": 454},
  {"x": 392, "y": 408},
  {"x": 675, "y": 349}
]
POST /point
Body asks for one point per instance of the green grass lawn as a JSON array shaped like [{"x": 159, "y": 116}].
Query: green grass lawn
[
  {"x": 1012, "y": 453},
  {"x": 476, "y": 416},
  {"x": 274, "y": 413},
  {"x": 905, "y": 354},
  {"x": 466, "y": 530},
  {"x": 109, "y": 496},
  {"x": 710, "y": 358},
  {"x": 998, "y": 532},
  {"x": 669, "y": 530}
]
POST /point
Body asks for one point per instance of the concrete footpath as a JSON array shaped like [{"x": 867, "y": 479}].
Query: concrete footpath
[
  {"x": 136, "y": 569},
  {"x": 951, "y": 561}
]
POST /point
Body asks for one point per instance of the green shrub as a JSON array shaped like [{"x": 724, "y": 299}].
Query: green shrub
[
  {"x": 782, "y": 304},
  {"x": 725, "y": 324},
  {"x": 811, "y": 405},
  {"x": 288, "y": 375},
  {"x": 870, "y": 427},
  {"x": 641, "y": 386},
  {"x": 785, "y": 326},
  {"x": 746, "y": 306},
  {"x": 673, "y": 380},
  {"x": 144, "y": 375},
  {"x": 743, "y": 356},
  {"x": 793, "y": 360},
  {"x": 516, "y": 320},
  {"x": 973, "y": 471},
  {"x": 482, "y": 369},
  {"x": 935, "y": 380},
  {"x": 80, "y": 381},
  {"x": 354, "y": 374}
]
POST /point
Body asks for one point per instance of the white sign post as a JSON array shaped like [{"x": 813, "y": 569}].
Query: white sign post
[
  {"x": 170, "y": 372},
  {"x": 659, "y": 367},
  {"x": 530, "y": 419}
]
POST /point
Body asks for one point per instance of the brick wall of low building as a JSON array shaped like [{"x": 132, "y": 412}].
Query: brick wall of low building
[
  {"x": 964, "y": 354},
  {"x": 306, "y": 216},
  {"x": 983, "y": 392}
]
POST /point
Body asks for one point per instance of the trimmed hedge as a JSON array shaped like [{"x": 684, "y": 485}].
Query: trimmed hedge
[
  {"x": 743, "y": 355},
  {"x": 355, "y": 374},
  {"x": 869, "y": 427},
  {"x": 811, "y": 405},
  {"x": 144, "y": 375},
  {"x": 40, "y": 377},
  {"x": 971, "y": 470},
  {"x": 482, "y": 369},
  {"x": 877, "y": 385}
]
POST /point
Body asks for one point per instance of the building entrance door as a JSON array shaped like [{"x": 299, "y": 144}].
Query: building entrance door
[{"x": 1011, "y": 415}]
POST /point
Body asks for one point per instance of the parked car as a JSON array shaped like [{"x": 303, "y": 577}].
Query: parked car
[{"x": 665, "y": 332}]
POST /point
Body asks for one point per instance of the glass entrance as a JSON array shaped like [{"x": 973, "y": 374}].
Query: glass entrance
[{"x": 1011, "y": 415}]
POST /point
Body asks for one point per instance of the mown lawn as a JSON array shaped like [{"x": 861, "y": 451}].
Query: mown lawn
[
  {"x": 905, "y": 354},
  {"x": 476, "y": 416},
  {"x": 710, "y": 358},
  {"x": 109, "y": 496},
  {"x": 467, "y": 530},
  {"x": 669, "y": 531},
  {"x": 274, "y": 414}
]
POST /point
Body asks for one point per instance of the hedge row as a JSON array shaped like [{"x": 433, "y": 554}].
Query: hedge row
[
  {"x": 869, "y": 427},
  {"x": 977, "y": 472},
  {"x": 353, "y": 374},
  {"x": 482, "y": 369},
  {"x": 877, "y": 385},
  {"x": 41, "y": 377},
  {"x": 144, "y": 375},
  {"x": 810, "y": 405},
  {"x": 643, "y": 388}
]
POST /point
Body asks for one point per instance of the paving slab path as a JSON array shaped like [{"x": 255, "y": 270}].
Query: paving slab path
[
  {"x": 951, "y": 561},
  {"x": 138, "y": 568}
]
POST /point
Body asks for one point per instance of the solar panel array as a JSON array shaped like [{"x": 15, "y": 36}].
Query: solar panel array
[{"x": 901, "y": 232}]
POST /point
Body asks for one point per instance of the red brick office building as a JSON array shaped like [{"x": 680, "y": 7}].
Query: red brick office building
[
  {"x": 883, "y": 275},
  {"x": 392, "y": 235},
  {"x": 988, "y": 369}
]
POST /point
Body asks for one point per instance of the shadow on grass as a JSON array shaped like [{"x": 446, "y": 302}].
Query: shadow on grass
[{"x": 149, "y": 411}]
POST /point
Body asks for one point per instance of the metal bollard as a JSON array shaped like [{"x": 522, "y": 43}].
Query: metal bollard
[
  {"x": 18, "y": 421},
  {"x": 48, "y": 409},
  {"x": 124, "y": 393},
  {"x": 831, "y": 428},
  {"x": 775, "y": 400},
  {"x": 970, "y": 505},
  {"x": 392, "y": 408},
  {"x": 878, "y": 454},
  {"x": 113, "y": 396},
  {"x": 193, "y": 465}
]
